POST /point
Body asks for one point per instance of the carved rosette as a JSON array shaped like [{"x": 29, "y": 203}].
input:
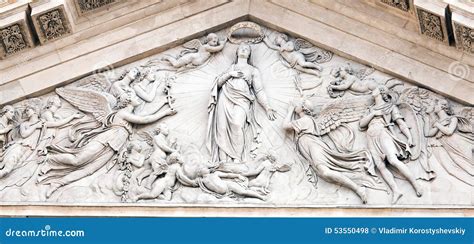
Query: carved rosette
[
  {"x": 464, "y": 38},
  {"x": 403, "y": 5},
  {"x": 13, "y": 39},
  {"x": 52, "y": 25},
  {"x": 90, "y": 5},
  {"x": 430, "y": 24}
]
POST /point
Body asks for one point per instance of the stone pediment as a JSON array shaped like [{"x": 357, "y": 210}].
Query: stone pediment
[{"x": 243, "y": 116}]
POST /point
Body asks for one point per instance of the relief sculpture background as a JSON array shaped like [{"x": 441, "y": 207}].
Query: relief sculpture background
[{"x": 245, "y": 115}]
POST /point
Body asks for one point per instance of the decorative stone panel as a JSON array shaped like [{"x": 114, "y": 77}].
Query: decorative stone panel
[
  {"x": 403, "y": 5},
  {"x": 13, "y": 39},
  {"x": 51, "y": 24},
  {"x": 464, "y": 38},
  {"x": 430, "y": 24},
  {"x": 85, "y": 6}
]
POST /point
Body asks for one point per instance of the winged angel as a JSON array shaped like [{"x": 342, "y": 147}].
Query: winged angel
[
  {"x": 342, "y": 165},
  {"x": 97, "y": 146},
  {"x": 196, "y": 53},
  {"x": 448, "y": 131},
  {"x": 299, "y": 54}
]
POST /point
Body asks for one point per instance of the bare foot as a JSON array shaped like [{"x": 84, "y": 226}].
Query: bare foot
[
  {"x": 52, "y": 188},
  {"x": 396, "y": 196},
  {"x": 362, "y": 194},
  {"x": 419, "y": 191}
]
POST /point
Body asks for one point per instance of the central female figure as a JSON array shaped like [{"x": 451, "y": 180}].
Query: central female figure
[{"x": 231, "y": 109}]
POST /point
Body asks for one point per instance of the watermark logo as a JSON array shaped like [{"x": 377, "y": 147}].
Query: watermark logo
[
  {"x": 458, "y": 71},
  {"x": 47, "y": 231}
]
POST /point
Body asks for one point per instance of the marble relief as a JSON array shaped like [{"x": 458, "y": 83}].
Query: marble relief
[{"x": 244, "y": 115}]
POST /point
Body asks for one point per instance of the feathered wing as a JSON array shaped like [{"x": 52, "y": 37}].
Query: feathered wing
[
  {"x": 88, "y": 101},
  {"x": 341, "y": 111},
  {"x": 193, "y": 44},
  {"x": 465, "y": 119},
  {"x": 313, "y": 53},
  {"x": 101, "y": 84}
]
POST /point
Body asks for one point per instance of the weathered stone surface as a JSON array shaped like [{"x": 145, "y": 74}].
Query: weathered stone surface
[
  {"x": 52, "y": 24},
  {"x": 263, "y": 118}
]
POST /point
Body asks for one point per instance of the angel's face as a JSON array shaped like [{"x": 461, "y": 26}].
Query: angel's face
[
  {"x": 10, "y": 113},
  {"x": 243, "y": 51},
  {"x": 429, "y": 106},
  {"x": 212, "y": 40},
  {"x": 29, "y": 112},
  {"x": 133, "y": 73},
  {"x": 440, "y": 106},
  {"x": 164, "y": 129},
  {"x": 343, "y": 73}
]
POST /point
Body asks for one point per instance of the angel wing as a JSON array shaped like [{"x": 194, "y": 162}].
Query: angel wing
[
  {"x": 101, "y": 84},
  {"x": 341, "y": 111},
  {"x": 465, "y": 118},
  {"x": 98, "y": 83},
  {"x": 147, "y": 137},
  {"x": 193, "y": 44},
  {"x": 88, "y": 101},
  {"x": 312, "y": 53},
  {"x": 363, "y": 72}
]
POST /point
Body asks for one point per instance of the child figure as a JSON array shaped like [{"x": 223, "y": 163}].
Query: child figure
[
  {"x": 157, "y": 161},
  {"x": 292, "y": 56},
  {"x": 264, "y": 172},
  {"x": 214, "y": 184},
  {"x": 196, "y": 53},
  {"x": 165, "y": 185}
]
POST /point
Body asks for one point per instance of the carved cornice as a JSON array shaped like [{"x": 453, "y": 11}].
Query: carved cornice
[{"x": 464, "y": 38}]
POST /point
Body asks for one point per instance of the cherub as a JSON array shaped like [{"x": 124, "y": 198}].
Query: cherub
[
  {"x": 347, "y": 78},
  {"x": 197, "y": 53},
  {"x": 165, "y": 185},
  {"x": 299, "y": 54},
  {"x": 264, "y": 172},
  {"x": 214, "y": 184},
  {"x": 7, "y": 119},
  {"x": 162, "y": 147}
]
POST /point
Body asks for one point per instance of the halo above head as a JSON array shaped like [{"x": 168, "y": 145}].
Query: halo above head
[{"x": 245, "y": 32}]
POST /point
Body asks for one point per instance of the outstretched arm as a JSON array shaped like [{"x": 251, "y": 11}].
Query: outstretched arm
[
  {"x": 214, "y": 49},
  {"x": 261, "y": 96},
  {"x": 136, "y": 119},
  {"x": 61, "y": 122},
  {"x": 270, "y": 44},
  {"x": 346, "y": 84},
  {"x": 6, "y": 129}
]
